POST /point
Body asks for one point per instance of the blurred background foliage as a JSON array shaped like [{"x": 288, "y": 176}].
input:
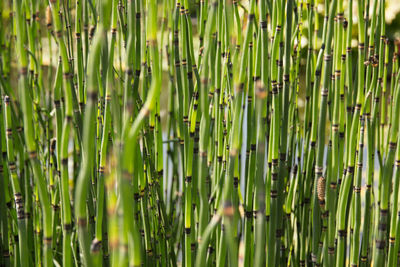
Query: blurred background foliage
[
  {"x": 50, "y": 52},
  {"x": 392, "y": 21}
]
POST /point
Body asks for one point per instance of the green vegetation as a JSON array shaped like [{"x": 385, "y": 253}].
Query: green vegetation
[{"x": 199, "y": 133}]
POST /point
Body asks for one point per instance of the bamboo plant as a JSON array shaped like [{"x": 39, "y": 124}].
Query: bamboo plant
[{"x": 199, "y": 133}]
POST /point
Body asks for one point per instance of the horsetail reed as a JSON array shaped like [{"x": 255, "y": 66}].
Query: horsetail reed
[{"x": 199, "y": 133}]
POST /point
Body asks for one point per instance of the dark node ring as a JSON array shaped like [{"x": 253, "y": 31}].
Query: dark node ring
[
  {"x": 392, "y": 145},
  {"x": 82, "y": 222},
  {"x": 313, "y": 258},
  {"x": 286, "y": 78},
  {"x": 11, "y": 165},
  {"x": 23, "y": 71},
  {"x": 96, "y": 245},
  {"x": 58, "y": 34},
  {"x": 327, "y": 57},
  {"x": 240, "y": 86},
  {"x": 318, "y": 169},
  {"x": 101, "y": 169},
  {"x": 67, "y": 227},
  {"x": 278, "y": 233},
  {"x": 64, "y": 161},
  {"x": 263, "y": 24},
  {"x": 384, "y": 212},
  {"x": 350, "y": 169},
  {"x": 20, "y": 213},
  {"x": 32, "y": 154},
  {"x": 294, "y": 169},
  {"x": 47, "y": 240},
  {"x": 249, "y": 214},
  {"x": 342, "y": 233},
  {"x": 18, "y": 197},
  {"x": 92, "y": 95},
  {"x": 324, "y": 215},
  {"x": 235, "y": 181},
  {"x": 380, "y": 244}
]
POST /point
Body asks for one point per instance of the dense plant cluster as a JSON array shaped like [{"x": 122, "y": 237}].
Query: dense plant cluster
[{"x": 165, "y": 137}]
